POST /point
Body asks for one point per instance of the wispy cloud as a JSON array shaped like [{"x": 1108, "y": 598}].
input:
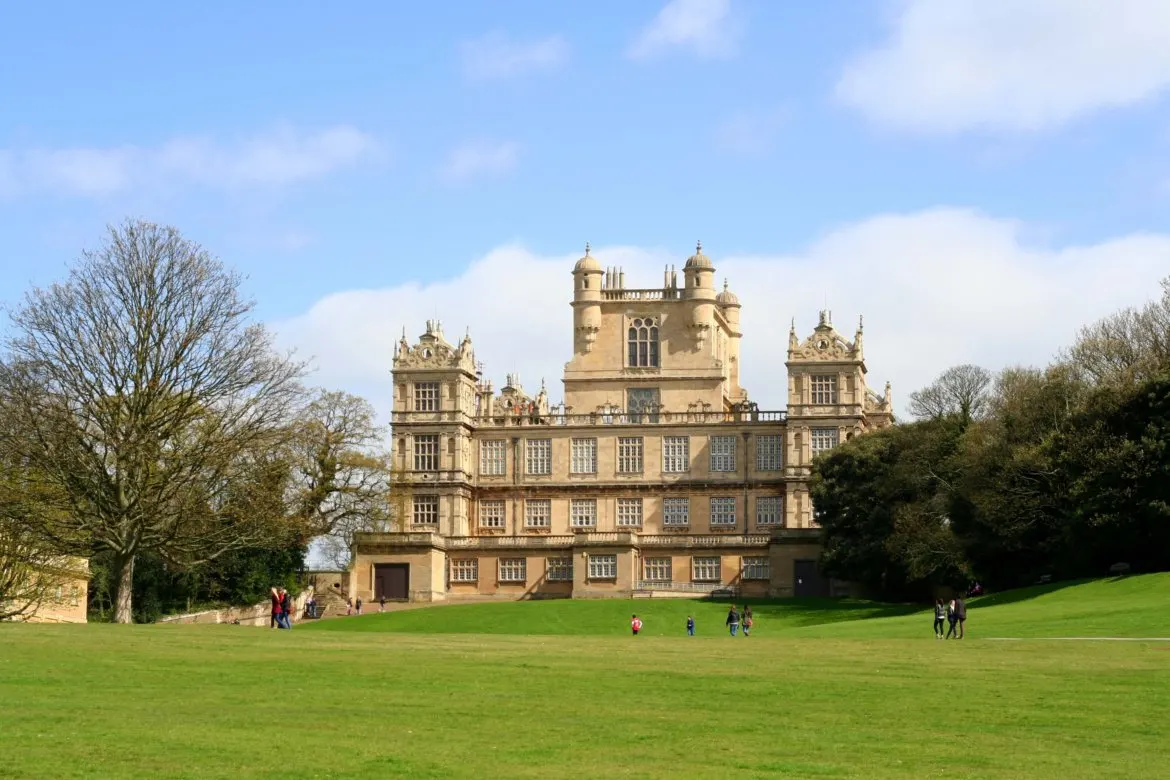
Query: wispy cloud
[
  {"x": 1010, "y": 65},
  {"x": 281, "y": 157},
  {"x": 750, "y": 133},
  {"x": 707, "y": 28},
  {"x": 475, "y": 159},
  {"x": 495, "y": 56}
]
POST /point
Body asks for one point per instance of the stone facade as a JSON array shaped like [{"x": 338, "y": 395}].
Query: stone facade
[
  {"x": 66, "y": 600},
  {"x": 656, "y": 475}
]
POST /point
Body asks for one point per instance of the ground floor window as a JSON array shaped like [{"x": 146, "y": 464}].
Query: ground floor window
[
  {"x": 657, "y": 569},
  {"x": 426, "y": 510},
  {"x": 769, "y": 511},
  {"x": 676, "y": 511},
  {"x": 491, "y": 514},
  {"x": 583, "y": 512},
  {"x": 757, "y": 569},
  {"x": 560, "y": 569},
  {"x": 705, "y": 569},
  {"x": 513, "y": 569},
  {"x": 464, "y": 570},
  {"x": 603, "y": 567},
  {"x": 629, "y": 512},
  {"x": 722, "y": 512},
  {"x": 538, "y": 513}
]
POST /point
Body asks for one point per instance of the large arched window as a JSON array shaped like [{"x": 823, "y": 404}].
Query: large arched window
[{"x": 643, "y": 342}]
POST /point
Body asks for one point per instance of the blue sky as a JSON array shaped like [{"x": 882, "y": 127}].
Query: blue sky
[{"x": 977, "y": 178}]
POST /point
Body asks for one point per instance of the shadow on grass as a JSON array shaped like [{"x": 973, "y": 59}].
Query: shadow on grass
[
  {"x": 1025, "y": 594},
  {"x": 816, "y": 611}
]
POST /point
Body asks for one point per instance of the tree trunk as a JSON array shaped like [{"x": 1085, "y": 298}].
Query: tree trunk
[{"x": 123, "y": 601}]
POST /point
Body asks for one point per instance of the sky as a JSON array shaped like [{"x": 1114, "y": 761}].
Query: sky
[{"x": 978, "y": 178}]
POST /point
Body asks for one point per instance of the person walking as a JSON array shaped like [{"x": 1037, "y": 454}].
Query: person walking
[
  {"x": 285, "y": 609},
  {"x": 952, "y": 618},
  {"x": 348, "y": 607},
  {"x": 382, "y": 604},
  {"x": 274, "y": 597},
  {"x": 358, "y": 605},
  {"x": 690, "y": 625},
  {"x": 940, "y": 616},
  {"x": 747, "y": 620},
  {"x": 733, "y": 620},
  {"x": 635, "y": 624},
  {"x": 960, "y": 614}
]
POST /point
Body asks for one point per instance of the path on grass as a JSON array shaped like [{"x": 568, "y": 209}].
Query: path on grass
[{"x": 1079, "y": 638}]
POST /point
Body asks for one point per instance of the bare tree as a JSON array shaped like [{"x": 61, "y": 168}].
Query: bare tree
[
  {"x": 340, "y": 471},
  {"x": 960, "y": 391},
  {"x": 1131, "y": 345},
  {"x": 145, "y": 397}
]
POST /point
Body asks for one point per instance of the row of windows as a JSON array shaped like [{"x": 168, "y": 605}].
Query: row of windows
[
  {"x": 676, "y": 512},
  {"x": 676, "y": 454},
  {"x": 707, "y": 568},
  {"x": 643, "y": 351}
]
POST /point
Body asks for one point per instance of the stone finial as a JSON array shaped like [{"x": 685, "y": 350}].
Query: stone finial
[
  {"x": 698, "y": 247},
  {"x": 587, "y": 249}
]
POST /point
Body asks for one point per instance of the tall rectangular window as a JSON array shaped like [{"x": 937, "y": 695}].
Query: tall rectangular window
[
  {"x": 769, "y": 453},
  {"x": 705, "y": 569},
  {"x": 426, "y": 452},
  {"x": 538, "y": 456},
  {"x": 583, "y": 512},
  {"x": 629, "y": 454},
  {"x": 583, "y": 458},
  {"x": 629, "y": 512},
  {"x": 426, "y": 510},
  {"x": 676, "y": 511},
  {"x": 492, "y": 514},
  {"x": 513, "y": 569},
  {"x": 657, "y": 569},
  {"x": 642, "y": 340},
  {"x": 464, "y": 570},
  {"x": 824, "y": 389},
  {"x": 493, "y": 457},
  {"x": 676, "y": 454},
  {"x": 757, "y": 568},
  {"x": 537, "y": 513},
  {"x": 722, "y": 512},
  {"x": 769, "y": 511},
  {"x": 426, "y": 396},
  {"x": 603, "y": 567},
  {"x": 722, "y": 453},
  {"x": 823, "y": 439},
  {"x": 559, "y": 570}
]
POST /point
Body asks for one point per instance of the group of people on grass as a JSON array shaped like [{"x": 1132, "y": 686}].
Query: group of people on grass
[
  {"x": 735, "y": 619},
  {"x": 282, "y": 605},
  {"x": 953, "y": 612}
]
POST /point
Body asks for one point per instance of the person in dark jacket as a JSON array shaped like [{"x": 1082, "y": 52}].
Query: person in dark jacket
[
  {"x": 733, "y": 620},
  {"x": 960, "y": 614},
  {"x": 285, "y": 609}
]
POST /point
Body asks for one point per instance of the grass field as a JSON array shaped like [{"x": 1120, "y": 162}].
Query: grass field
[{"x": 557, "y": 689}]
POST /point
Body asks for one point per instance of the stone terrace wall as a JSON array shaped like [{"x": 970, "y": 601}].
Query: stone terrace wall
[{"x": 256, "y": 615}]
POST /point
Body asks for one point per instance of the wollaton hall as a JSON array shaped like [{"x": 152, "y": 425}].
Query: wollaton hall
[{"x": 656, "y": 476}]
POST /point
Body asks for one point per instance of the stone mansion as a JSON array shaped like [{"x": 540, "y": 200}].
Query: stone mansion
[{"x": 656, "y": 476}]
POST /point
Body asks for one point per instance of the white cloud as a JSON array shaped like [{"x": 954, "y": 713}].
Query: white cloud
[
  {"x": 937, "y": 288},
  {"x": 1010, "y": 65},
  {"x": 495, "y": 56},
  {"x": 280, "y": 157},
  {"x": 705, "y": 27},
  {"x": 474, "y": 159}
]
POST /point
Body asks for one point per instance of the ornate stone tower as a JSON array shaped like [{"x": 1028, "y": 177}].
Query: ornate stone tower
[
  {"x": 587, "y": 278},
  {"x": 828, "y": 403},
  {"x": 435, "y": 396}
]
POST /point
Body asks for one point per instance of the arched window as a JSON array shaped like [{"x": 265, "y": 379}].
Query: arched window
[{"x": 643, "y": 342}]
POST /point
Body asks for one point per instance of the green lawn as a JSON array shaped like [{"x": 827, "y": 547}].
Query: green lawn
[{"x": 808, "y": 697}]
